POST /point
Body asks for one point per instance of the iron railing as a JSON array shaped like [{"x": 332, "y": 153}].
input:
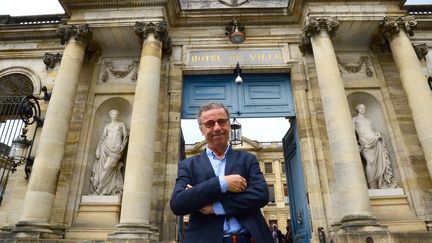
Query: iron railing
[{"x": 18, "y": 114}]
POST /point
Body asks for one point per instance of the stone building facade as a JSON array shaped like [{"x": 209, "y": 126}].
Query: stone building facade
[{"x": 136, "y": 57}]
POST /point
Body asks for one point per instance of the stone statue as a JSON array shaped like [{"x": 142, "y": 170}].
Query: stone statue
[
  {"x": 106, "y": 177},
  {"x": 379, "y": 172}
]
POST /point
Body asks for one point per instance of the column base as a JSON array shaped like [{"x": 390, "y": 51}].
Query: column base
[
  {"x": 135, "y": 232},
  {"x": 31, "y": 230}
]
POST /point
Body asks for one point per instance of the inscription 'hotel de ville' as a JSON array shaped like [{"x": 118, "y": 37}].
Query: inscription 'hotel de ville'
[{"x": 95, "y": 102}]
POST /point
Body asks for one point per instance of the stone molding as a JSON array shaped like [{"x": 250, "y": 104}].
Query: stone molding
[
  {"x": 421, "y": 50},
  {"x": 50, "y": 59},
  {"x": 160, "y": 31},
  {"x": 314, "y": 26}
]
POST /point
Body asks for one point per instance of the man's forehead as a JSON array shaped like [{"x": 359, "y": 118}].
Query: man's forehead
[{"x": 214, "y": 111}]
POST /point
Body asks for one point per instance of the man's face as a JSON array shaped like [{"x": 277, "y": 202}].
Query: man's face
[{"x": 215, "y": 133}]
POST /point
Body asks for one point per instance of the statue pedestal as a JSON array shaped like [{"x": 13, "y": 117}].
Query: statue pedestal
[
  {"x": 391, "y": 207},
  {"x": 97, "y": 217}
]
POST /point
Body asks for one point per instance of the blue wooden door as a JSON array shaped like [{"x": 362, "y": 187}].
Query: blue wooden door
[
  {"x": 260, "y": 95},
  {"x": 299, "y": 205}
]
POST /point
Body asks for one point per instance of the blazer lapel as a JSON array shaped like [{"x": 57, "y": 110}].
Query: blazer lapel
[
  {"x": 230, "y": 160},
  {"x": 204, "y": 162}
]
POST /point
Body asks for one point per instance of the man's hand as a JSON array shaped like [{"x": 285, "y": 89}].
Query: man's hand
[
  {"x": 207, "y": 209},
  {"x": 235, "y": 183}
]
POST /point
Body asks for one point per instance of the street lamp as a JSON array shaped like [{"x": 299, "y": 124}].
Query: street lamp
[
  {"x": 18, "y": 151},
  {"x": 236, "y": 133},
  {"x": 239, "y": 79}
]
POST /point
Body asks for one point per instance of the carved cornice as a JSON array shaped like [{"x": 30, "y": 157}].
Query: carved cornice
[
  {"x": 314, "y": 26},
  {"x": 80, "y": 33},
  {"x": 421, "y": 50},
  {"x": 50, "y": 60},
  {"x": 390, "y": 25},
  {"x": 160, "y": 31}
]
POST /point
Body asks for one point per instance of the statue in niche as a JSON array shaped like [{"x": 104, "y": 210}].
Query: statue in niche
[
  {"x": 372, "y": 147},
  {"x": 106, "y": 177}
]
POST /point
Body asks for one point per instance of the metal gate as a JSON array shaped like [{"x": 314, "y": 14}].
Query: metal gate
[{"x": 19, "y": 119}]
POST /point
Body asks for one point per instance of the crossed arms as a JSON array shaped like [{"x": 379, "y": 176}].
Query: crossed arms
[{"x": 194, "y": 191}]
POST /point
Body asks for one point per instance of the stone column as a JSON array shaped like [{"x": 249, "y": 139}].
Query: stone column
[
  {"x": 344, "y": 150},
  {"x": 39, "y": 198},
  {"x": 137, "y": 192},
  {"x": 413, "y": 79}
]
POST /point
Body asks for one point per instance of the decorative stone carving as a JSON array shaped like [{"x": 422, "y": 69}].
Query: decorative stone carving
[
  {"x": 379, "y": 173},
  {"x": 233, "y": 3},
  {"x": 421, "y": 50},
  {"x": 315, "y": 25},
  {"x": 392, "y": 25},
  {"x": 112, "y": 68},
  {"x": 80, "y": 33},
  {"x": 389, "y": 26},
  {"x": 50, "y": 60},
  {"x": 106, "y": 176},
  {"x": 160, "y": 31},
  {"x": 355, "y": 68},
  {"x": 235, "y": 31},
  {"x": 15, "y": 85}
]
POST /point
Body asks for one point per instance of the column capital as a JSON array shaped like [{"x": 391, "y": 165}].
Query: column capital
[
  {"x": 160, "y": 31},
  {"x": 315, "y": 25},
  {"x": 81, "y": 33},
  {"x": 391, "y": 25},
  {"x": 421, "y": 50}
]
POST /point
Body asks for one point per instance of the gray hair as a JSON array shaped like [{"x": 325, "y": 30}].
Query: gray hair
[{"x": 211, "y": 106}]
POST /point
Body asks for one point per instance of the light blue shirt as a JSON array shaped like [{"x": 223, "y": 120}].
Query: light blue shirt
[{"x": 231, "y": 225}]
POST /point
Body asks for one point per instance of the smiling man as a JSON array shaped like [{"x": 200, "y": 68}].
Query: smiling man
[{"x": 222, "y": 189}]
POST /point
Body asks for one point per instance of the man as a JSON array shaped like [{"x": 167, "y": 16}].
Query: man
[
  {"x": 277, "y": 234},
  {"x": 222, "y": 189}
]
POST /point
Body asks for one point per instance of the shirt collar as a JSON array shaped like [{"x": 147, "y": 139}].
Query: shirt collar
[{"x": 211, "y": 154}]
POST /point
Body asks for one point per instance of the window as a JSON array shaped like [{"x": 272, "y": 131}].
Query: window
[
  {"x": 268, "y": 168},
  {"x": 283, "y": 167},
  {"x": 272, "y": 222},
  {"x": 286, "y": 198},
  {"x": 271, "y": 194}
]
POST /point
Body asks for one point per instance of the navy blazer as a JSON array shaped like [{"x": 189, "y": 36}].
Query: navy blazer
[{"x": 245, "y": 206}]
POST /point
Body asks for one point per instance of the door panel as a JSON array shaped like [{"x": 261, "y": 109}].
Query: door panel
[
  {"x": 260, "y": 95},
  {"x": 299, "y": 205}
]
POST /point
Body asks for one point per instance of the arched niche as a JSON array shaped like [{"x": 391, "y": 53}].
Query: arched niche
[
  {"x": 100, "y": 119},
  {"x": 19, "y": 81},
  {"x": 376, "y": 114}
]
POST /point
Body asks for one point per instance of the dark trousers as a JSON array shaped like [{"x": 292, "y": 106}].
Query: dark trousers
[{"x": 239, "y": 238}]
